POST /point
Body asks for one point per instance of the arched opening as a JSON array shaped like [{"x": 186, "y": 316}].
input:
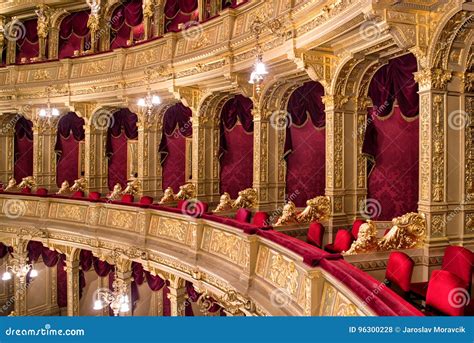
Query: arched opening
[
  {"x": 23, "y": 149},
  {"x": 391, "y": 139},
  {"x": 69, "y": 137},
  {"x": 122, "y": 137},
  {"x": 236, "y": 145},
  {"x": 180, "y": 12},
  {"x": 74, "y": 35},
  {"x": 305, "y": 150},
  {"x": 27, "y": 44},
  {"x": 175, "y": 146},
  {"x": 126, "y": 24}
]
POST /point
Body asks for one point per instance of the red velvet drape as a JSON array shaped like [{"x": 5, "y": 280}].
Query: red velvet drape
[
  {"x": 174, "y": 166},
  {"x": 74, "y": 34},
  {"x": 27, "y": 45},
  {"x": 393, "y": 181},
  {"x": 306, "y": 176},
  {"x": 127, "y": 23},
  {"x": 23, "y": 147},
  {"x": 68, "y": 164},
  {"x": 237, "y": 162},
  {"x": 180, "y": 12}
]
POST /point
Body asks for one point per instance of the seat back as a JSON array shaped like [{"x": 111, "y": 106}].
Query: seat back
[
  {"x": 356, "y": 226},
  {"x": 316, "y": 234},
  {"x": 446, "y": 293},
  {"x": 260, "y": 219},
  {"x": 78, "y": 194},
  {"x": 399, "y": 270},
  {"x": 243, "y": 215},
  {"x": 146, "y": 200},
  {"x": 459, "y": 261},
  {"x": 128, "y": 198},
  {"x": 94, "y": 195},
  {"x": 26, "y": 190},
  {"x": 343, "y": 240},
  {"x": 194, "y": 208},
  {"x": 42, "y": 191},
  {"x": 181, "y": 204}
]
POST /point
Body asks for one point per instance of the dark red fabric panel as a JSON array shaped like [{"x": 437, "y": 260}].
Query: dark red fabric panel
[
  {"x": 306, "y": 164},
  {"x": 27, "y": 45},
  {"x": 127, "y": 23},
  {"x": 24, "y": 158},
  {"x": 102, "y": 268},
  {"x": 166, "y": 301},
  {"x": 61, "y": 282},
  {"x": 393, "y": 181},
  {"x": 174, "y": 166},
  {"x": 176, "y": 123},
  {"x": 34, "y": 249},
  {"x": 154, "y": 281},
  {"x": 86, "y": 258},
  {"x": 74, "y": 34},
  {"x": 118, "y": 162},
  {"x": 237, "y": 163},
  {"x": 180, "y": 12},
  {"x": 68, "y": 164}
]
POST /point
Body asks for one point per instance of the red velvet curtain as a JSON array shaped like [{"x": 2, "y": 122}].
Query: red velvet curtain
[
  {"x": 127, "y": 23},
  {"x": 305, "y": 149},
  {"x": 177, "y": 127},
  {"x": 391, "y": 138},
  {"x": 180, "y": 12},
  {"x": 23, "y": 146},
  {"x": 74, "y": 34},
  {"x": 124, "y": 127},
  {"x": 236, "y": 145},
  {"x": 27, "y": 45},
  {"x": 70, "y": 133},
  {"x": 3, "y": 56}
]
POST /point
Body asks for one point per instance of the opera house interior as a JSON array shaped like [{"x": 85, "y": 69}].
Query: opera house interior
[{"x": 236, "y": 158}]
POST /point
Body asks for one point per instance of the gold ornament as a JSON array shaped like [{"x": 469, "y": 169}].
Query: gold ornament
[
  {"x": 366, "y": 242},
  {"x": 64, "y": 188},
  {"x": 168, "y": 196},
  {"x": 289, "y": 215},
  {"x": 225, "y": 203},
  {"x": 317, "y": 209},
  {"x": 407, "y": 232},
  {"x": 246, "y": 199}
]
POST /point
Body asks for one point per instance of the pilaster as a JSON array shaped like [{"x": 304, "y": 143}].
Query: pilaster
[
  {"x": 72, "y": 271},
  {"x": 177, "y": 296},
  {"x": 44, "y": 156},
  {"x": 7, "y": 148}
]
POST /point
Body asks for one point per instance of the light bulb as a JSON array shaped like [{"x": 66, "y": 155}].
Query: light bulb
[
  {"x": 260, "y": 68},
  {"x": 42, "y": 113},
  {"x": 33, "y": 273},
  {"x": 6, "y": 276},
  {"x": 124, "y": 307},
  {"x": 55, "y": 112},
  {"x": 252, "y": 78},
  {"x": 155, "y": 100},
  {"x": 141, "y": 102},
  {"x": 98, "y": 305}
]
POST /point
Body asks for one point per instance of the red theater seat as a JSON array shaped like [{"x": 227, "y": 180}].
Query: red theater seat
[
  {"x": 356, "y": 226},
  {"x": 399, "y": 270},
  {"x": 128, "y": 198},
  {"x": 260, "y": 219},
  {"x": 194, "y": 208},
  {"x": 459, "y": 261},
  {"x": 243, "y": 215},
  {"x": 40, "y": 191},
  {"x": 316, "y": 234},
  {"x": 146, "y": 200},
  {"x": 181, "y": 204},
  {"x": 78, "y": 194},
  {"x": 94, "y": 196},
  {"x": 26, "y": 190},
  {"x": 446, "y": 294},
  {"x": 342, "y": 242}
]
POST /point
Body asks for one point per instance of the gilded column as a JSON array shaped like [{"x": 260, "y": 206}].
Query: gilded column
[
  {"x": 149, "y": 167},
  {"x": 2, "y": 33},
  {"x": 72, "y": 270},
  {"x": 123, "y": 275},
  {"x": 42, "y": 12},
  {"x": 11, "y": 43},
  {"x": 44, "y": 156},
  {"x": 177, "y": 296},
  {"x": 148, "y": 14},
  {"x": 20, "y": 287},
  {"x": 158, "y": 19},
  {"x": 335, "y": 159},
  {"x": 433, "y": 124},
  {"x": 94, "y": 25},
  {"x": 6, "y": 147}
]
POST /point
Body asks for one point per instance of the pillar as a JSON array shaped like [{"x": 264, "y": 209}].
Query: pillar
[
  {"x": 177, "y": 296},
  {"x": 158, "y": 19},
  {"x": 44, "y": 156},
  {"x": 6, "y": 147},
  {"x": 72, "y": 270}
]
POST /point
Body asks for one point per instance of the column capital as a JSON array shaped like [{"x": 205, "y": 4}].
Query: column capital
[{"x": 433, "y": 79}]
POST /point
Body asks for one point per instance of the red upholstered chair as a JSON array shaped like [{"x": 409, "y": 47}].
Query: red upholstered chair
[
  {"x": 146, "y": 200},
  {"x": 315, "y": 234},
  {"x": 459, "y": 261},
  {"x": 128, "y": 198},
  {"x": 342, "y": 242},
  {"x": 399, "y": 270},
  {"x": 243, "y": 215},
  {"x": 194, "y": 208},
  {"x": 94, "y": 196},
  {"x": 260, "y": 219},
  {"x": 181, "y": 204},
  {"x": 445, "y": 293},
  {"x": 26, "y": 190},
  {"x": 41, "y": 191},
  {"x": 78, "y": 194},
  {"x": 356, "y": 226}
]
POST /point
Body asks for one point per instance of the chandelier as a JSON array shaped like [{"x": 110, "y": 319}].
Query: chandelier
[
  {"x": 19, "y": 269},
  {"x": 117, "y": 299},
  {"x": 149, "y": 100},
  {"x": 48, "y": 112}
]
